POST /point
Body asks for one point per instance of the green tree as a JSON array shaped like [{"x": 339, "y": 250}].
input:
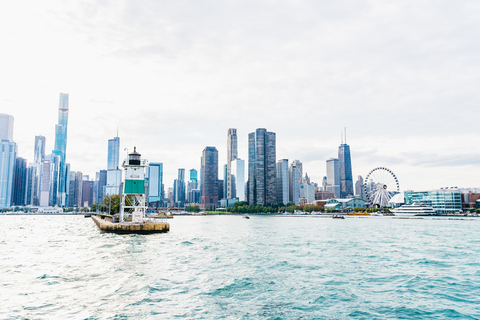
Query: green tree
[{"x": 112, "y": 203}]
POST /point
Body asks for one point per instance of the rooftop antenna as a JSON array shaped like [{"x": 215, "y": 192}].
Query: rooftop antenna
[
  {"x": 341, "y": 134},
  {"x": 345, "y": 135},
  {"x": 117, "y": 132}
]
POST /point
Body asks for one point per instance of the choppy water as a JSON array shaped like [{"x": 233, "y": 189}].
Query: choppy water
[{"x": 226, "y": 267}]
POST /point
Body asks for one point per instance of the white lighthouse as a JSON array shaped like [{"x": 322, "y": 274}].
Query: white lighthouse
[{"x": 133, "y": 196}]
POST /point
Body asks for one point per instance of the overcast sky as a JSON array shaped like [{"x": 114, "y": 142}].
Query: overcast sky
[{"x": 173, "y": 76}]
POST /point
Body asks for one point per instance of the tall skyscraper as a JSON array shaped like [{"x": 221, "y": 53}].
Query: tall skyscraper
[
  {"x": 345, "y": 168},
  {"x": 100, "y": 186},
  {"x": 39, "y": 154},
  {"x": 232, "y": 154},
  {"x": 333, "y": 177},
  {"x": 8, "y": 154},
  {"x": 61, "y": 149},
  {"x": 31, "y": 197},
  {"x": 209, "y": 177},
  {"x": 238, "y": 179},
  {"x": 283, "y": 188},
  {"x": 179, "y": 187},
  {"x": 114, "y": 173},
  {"x": 155, "y": 184},
  {"x": 45, "y": 182},
  {"x": 294, "y": 183},
  {"x": 19, "y": 182},
  {"x": 262, "y": 171}
]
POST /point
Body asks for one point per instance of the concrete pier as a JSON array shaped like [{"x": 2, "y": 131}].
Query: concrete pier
[{"x": 105, "y": 224}]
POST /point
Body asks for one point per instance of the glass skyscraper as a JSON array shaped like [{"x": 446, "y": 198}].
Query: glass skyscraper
[
  {"x": 8, "y": 154},
  {"x": 345, "y": 168},
  {"x": 114, "y": 174},
  {"x": 61, "y": 149},
  {"x": 262, "y": 170},
  {"x": 333, "y": 176},
  {"x": 155, "y": 184}
]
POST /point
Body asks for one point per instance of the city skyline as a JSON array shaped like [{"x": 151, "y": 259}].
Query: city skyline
[{"x": 401, "y": 77}]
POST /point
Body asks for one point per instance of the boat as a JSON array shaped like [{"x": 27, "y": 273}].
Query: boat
[
  {"x": 337, "y": 216},
  {"x": 376, "y": 214},
  {"x": 414, "y": 210},
  {"x": 246, "y": 217}
]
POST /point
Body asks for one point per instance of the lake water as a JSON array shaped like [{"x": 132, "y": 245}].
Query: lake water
[{"x": 226, "y": 267}]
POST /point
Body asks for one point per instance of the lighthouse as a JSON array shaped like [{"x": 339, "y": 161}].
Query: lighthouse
[{"x": 133, "y": 197}]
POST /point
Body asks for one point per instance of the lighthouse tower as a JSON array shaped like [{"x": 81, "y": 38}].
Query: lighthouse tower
[{"x": 133, "y": 197}]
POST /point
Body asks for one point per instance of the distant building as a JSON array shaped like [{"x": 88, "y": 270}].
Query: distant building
[
  {"x": 114, "y": 173},
  {"x": 262, "y": 170},
  {"x": 294, "y": 184},
  {"x": 442, "y": 201},
  {"x": 179, "y": 188},
  {"x": 470, "y": 200},
  {"x": 155, "y": 184},
  {"x": 333, "y": 176},
  {"x": 232, "y": 154},
  {"x": 193, "y": 175},
  {"x": 237, "y": 172},
  {"x": 8, "y": 154},
  {"x": 307, "y": 191},
  {"x": 324, "y": 195},
  {"x": 345, "y": 168},
  {"x": 209, "y": 177},
  {"x": 100, "y": 186},
  {"x": 220, "y": 189},
  {"x": 283, "y": 186},
  {"x": 19, "y": 182},
  {"x": 87, "y": 193},
  {"x": 61, "y": 151},
  {"x": 359, "y": 190},
  {"x": 39, "y": 153}
]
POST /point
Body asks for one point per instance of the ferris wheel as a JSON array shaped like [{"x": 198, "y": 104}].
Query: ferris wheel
[{"x": 381, "y": 184}]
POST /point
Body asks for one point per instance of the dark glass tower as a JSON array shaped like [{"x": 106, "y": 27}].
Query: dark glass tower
[
  {"x": 209, "y": 177},
  {"x": 345, "y": 166},
  {"x": 262, "y": 171}
]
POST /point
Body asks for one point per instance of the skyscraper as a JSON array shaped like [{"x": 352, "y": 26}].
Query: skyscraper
[
  {"x": 345, "y": 168},
  {"x": 155, "y": 184},
  {"x": 39, "y": 154},
  {"x": 333, "y": 176},
  {"x": 114, "y": 174},
  {"x": 238, "y": 179},
  {"x": 294, "y": 183},
  {"x": 179, "y": 187},
  {"x": 262, "y": 171},
  {"x": 209, "y": 177},
  {"x": 19, "y": 182},
  {"x": 193, "y": 175},
  {"x": 61, "y": 149},
  {"x": 232, "y": 154},
  {"x": 8, "y": 154},
  {"x": 283, "y": 187}
]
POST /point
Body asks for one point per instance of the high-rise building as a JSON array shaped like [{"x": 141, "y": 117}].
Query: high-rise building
[
  {"x": 283, "y": 187},
  {"x": 299, "y": 165},
  {"x": 31, "y": 196},
  {"x": 262, "y": 170},
  {"x": 238, "y": 179},
  {"x": 71, "y": 189},
  {"x": 8, "y": 154},
  {"x": 19, "y": 182},
  {"x": 155, "y": 184},
  {"x": 78, "y": 189},
  {"x": 114, "y": 173},
  {"x": 61, "y": 150},
  {"x": 179, "y": 187},
  {"x": 209, "y": 177},
  {"x": 224, "y": 186},
  {"x": 87, "y": 193},
  {"x": 232, "y": 154},
  {"x": 45, "y": 182},
  {"x": 345, "y": 168},
  {"x": 100, "y": 186},
  {"x": 333, "y": 176},
  {"x": 359, "y": 192},
  {"x": 39, "y": 154},
  {"x": 294, "y": 183},
  {"x": 193, "y": 175}
]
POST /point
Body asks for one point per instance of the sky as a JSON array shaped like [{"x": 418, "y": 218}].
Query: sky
[{"x": 402, "y": 77}]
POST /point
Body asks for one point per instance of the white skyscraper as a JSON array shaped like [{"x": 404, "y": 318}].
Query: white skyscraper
[{"x": 8, "y": 154}]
